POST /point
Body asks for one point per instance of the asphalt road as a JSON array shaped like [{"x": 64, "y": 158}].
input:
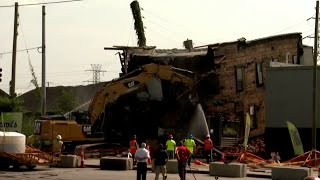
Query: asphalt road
[{"x": 93, "y": 174}]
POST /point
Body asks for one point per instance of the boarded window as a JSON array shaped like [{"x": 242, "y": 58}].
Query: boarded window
[
  {"x": 239, "y": 78},
  {"x": 259, "y": 75}
]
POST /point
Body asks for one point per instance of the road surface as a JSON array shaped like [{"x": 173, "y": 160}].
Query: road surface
[{"x": 94, "y": 174}]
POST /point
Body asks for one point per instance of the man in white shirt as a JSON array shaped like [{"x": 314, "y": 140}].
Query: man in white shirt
[{"x": 141, "y": 156}]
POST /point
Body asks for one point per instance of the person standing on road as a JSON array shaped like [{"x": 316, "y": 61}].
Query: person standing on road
[
  {"x": 57, "y": 146},
  {"x": 182, "y": 154},
  {"x": 160, "y": 161},
  {"x": 208, "y": 145},
  {"x": 171, "y": 146},
  {"x": 190, "y": 145},
  {"x": 133, "y": 147},
  {"x": 141, "y": 156}
]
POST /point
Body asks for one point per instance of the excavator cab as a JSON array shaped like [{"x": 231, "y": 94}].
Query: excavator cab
[{"x": 75, "y": 129}]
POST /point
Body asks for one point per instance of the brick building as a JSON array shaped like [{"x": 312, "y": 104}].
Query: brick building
[
  {"x": 242, "y": 78},
  {"x": 239, "y": 86}
]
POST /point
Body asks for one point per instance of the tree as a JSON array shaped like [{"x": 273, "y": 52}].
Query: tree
[
  {"x": 138, "y": 23},
  {"x": 66, "y": 101},
  {"x": 8, "y": 104}
]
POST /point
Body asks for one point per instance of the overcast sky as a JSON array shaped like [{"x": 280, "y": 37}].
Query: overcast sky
[{"x": 77, "y": 32}]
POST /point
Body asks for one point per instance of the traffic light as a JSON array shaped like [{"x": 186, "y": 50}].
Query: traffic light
[{"x": 0, "y": 74}]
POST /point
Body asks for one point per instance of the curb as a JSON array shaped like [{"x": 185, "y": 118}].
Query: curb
[
  {"x": 91, "y": 166},
  {"x": 196, "y": 171}
]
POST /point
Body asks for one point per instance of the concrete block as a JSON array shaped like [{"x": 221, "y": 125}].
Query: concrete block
[
  {"x": 244, "y": 170},
  {"x": 227, "y": 170},
  {"x": 290, "y": 173},
  {"x": 116, "y": 163},
  {"x": 78, "y": 161},
  {"x": 172, "y": 166},
  {"x": 68, "y": 161}
]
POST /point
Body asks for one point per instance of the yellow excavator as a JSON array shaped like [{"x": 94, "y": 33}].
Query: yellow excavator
[
  {"x": 149, "y": 102},
  {"x": 146, "y": 102}
]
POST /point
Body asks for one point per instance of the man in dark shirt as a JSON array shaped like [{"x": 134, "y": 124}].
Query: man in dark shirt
[{"x": 160, "y": 160}]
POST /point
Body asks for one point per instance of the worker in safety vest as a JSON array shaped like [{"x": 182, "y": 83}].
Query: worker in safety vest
[
  {"x": 208, "y": 145},
  {"x": 171, "y": 146},
  {"x": 57, "y": 146},
  {"x": 133, "y": 147},
  {"x": 190, "y": 145}
]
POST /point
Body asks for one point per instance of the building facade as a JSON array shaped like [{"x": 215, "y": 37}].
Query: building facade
[
  {"x": 242, "y": 75},
  {"x": 238, "y": 85}
]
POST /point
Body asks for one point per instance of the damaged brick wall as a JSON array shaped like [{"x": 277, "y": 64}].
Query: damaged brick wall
[{"x": 235, "y": 104}]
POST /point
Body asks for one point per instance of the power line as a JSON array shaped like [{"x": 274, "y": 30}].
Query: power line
[
  {"x": 301, "y": 22},
  {"x": 96, "y": 70},
  {"x": 27, "y": 49},
  {"x": 168, "y": 22},
  {"x": 33, "y": 74},
  {"x": 44, "y": 3}
]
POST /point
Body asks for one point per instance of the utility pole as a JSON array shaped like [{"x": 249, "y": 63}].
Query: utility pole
[
  {"x": 315, "y": 57},
  {"x": 43, "y": 85},
  {"x": 14, "y": 51},
  {"x": 96, "y": 70}
]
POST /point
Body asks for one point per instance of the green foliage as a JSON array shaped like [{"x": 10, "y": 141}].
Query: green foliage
[
  {"x": 8, "y": 104},
  {"x": 34, "y": 80},
  {"x": 230, "y": 130},
  {"x": 66, "y": 101},
  {"x": 138, "y": 23},
  {"x": 28, "y": 123}
]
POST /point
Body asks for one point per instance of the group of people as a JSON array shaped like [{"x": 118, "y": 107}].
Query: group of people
[{"x": 183, "y": 153}]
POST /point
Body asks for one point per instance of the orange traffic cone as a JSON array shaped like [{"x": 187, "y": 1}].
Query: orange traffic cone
[
  {"x": 223, "y": 159},
  {"x": 82, "y": 157}
]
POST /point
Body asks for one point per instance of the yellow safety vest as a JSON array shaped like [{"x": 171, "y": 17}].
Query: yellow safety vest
[
  {"x": 170, "y": 145},
  {"x": 189, "y": 143}
]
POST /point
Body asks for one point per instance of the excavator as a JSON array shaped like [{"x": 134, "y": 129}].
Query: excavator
[{"x": 149, "y": 102}]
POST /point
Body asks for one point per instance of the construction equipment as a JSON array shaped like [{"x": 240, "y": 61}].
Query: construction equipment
[
  {"x": 150, "y": 95},
  {"x": 142, "y": 102},
  {"x": 73, "y": 132},
  {"x": 31, "y": 158}
]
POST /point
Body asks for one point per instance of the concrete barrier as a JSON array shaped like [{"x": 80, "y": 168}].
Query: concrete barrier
[
  {"x": 290, "y": 173},
  {"x": 78, "y": 161},
  {"x": 227, "y": 170},
  {"x": 69, "y": 161},
  {"x": 116, "y": 163},
  {"x": 172, "y": 166}
]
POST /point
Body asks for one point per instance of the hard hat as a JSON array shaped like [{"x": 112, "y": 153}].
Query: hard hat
[{"x": 59, "y": 137}]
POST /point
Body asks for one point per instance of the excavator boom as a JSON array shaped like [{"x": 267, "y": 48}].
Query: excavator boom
[{"x": 131, "y": 82}]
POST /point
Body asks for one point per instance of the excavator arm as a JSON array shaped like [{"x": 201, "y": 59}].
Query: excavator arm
[{"x": 131, "y": 82}]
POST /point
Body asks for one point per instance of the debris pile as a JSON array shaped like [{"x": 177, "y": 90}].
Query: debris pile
[{"x": 255, "y": 146}]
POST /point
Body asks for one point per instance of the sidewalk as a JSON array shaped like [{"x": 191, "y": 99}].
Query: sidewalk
[{"x": 200, "y": 169}]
